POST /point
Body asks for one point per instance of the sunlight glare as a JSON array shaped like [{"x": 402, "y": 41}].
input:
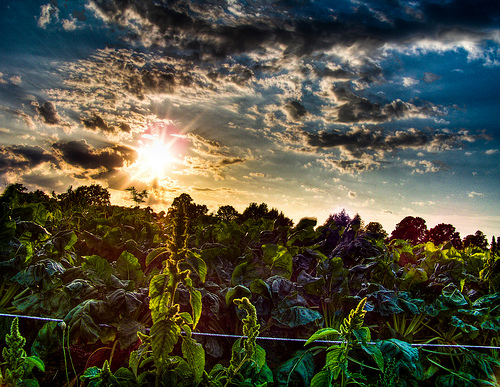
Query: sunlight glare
[{"x": 155, "y": 158}]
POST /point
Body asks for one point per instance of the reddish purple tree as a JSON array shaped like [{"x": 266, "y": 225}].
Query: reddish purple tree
[
  {"x": 443, "y": 233},
  {"x": 412, "y": 229}
]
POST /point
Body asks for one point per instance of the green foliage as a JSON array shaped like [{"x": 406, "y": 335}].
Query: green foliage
[{"x": 17, "y": 367}]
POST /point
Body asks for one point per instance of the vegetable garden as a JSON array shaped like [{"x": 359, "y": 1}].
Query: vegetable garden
[{"x": 128, "y": 297}]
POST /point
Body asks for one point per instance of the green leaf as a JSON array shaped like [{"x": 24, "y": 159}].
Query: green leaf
[
  {"x": 238, "y": 291},
  {"x": 452, "y": 295},
  {"x": 196, "y": 304},
  {"x": 158, "y": 296},
  {"x": 467, "y": 328},
  {"x": 259, "y": 357},
  {"x": 99, "y": 266},
  {"x": 194, "y": 354},
  {"x": 197, "y": 264},
  {"x": 279, "y": 259},
  {"x": 321, "y": 333},
  {"x": 363, "y": 335},
  {"x": 129, "y": 268},
  {"x": 336, "y": 360},
  {"x": 375, "y": 353},
  {"x": 157, "y": 253},
  {"x": 296, "y": 316},
  {"x": 164, "y": 336},
  {"x": 245, "y": 273},
  {"x": 35, "y": 361},
  {"x": 296, "y": 371},
  {"x": 322, "y": 379}
]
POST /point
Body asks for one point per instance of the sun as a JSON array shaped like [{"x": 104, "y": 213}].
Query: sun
[{"x": 155, "y": 159}]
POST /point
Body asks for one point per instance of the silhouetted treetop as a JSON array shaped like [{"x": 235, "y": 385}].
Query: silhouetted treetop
[
  {"x": 478, "y": 240},
  {"x": 442, "y": 233},
  {"x": 412, "y": 229}
]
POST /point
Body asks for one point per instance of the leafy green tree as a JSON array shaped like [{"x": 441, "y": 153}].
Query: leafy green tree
[
  {"x": 227, "y": 213},
  {"x": 412, "y": 229},
  {"x": 137, "y": 196},
  {"x": 92, "y": 195},
  {"x": 443, "y": 233},
  {"x": 376, "y": 228}
]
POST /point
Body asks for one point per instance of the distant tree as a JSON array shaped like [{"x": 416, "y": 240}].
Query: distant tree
[
  {"x": 494, "y": 246},
  {"x": 13, "y": 194},
  {"x": 254, "y": 211},
  {"x": 412, "y": 229},
  {"x": 137, "y": 196},
  {"x": 227, "y": 213},
  {"x": 84, "y": 196},
  {"x": 376, "y": 228},
  {"x": 442, "y": 233},
  {"x": 478, "y": 240},
  {"x": 259, "y": 211},
  {"x": 183, "y": 205},
  {"x": 339, "y": 220}
]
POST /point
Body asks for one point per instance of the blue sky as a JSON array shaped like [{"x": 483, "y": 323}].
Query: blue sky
[{"x": 384, "y": 108}]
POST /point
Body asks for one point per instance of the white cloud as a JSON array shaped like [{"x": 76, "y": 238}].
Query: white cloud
[
  {"x": 409, "y": 81},
  {"x": 48, "y": 12},
  {"x": 472, "y": 194},
  {"x": 492, "y": 151}
]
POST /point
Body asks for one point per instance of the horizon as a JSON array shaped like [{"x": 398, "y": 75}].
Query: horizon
[{"x": 384, "y": 110}]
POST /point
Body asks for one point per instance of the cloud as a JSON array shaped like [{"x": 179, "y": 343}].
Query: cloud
[
  {"x": 472, "y": 194},
  {"x": 15, "y": 79},
  {"x": 79, "y": 154},
  {"x": 492, "y": 151},
  {"x": 24, "y": 157},
  {"x": 48, "y": 112},
  {"x": 48, "y": 13},
  {"x": 430, "y": 77}
]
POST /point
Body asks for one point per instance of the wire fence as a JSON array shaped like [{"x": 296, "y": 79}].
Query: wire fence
[{"x": 221, "y": 335}]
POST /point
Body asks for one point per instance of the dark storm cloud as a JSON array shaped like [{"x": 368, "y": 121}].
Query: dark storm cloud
[
  {"x": 95, "y": 123},
  {"x": 24, "y": 157},
  {"x": 359, "y": 142},
  {"x": 48, "y": 112},
  {"x": 223, "y": 28},
  {"x": 359, "y": 109},
  {"x": 296, "y": 110},
  {"x": 80, "y": 154}
]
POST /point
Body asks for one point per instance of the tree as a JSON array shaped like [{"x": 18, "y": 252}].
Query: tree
[
  {"x": 184, "y": 207},
  {"x": 442, "y": 233},
  {"x": 93, "y": 195},
  {"x": 339, "y": 220},
  {"x": 412, "y": 229},
  {"x": 137, "y": 196},
  {"x": 227, "y": 213},
  {"x": 477, "y": 240},
  {"x": 376, "y": 228}
]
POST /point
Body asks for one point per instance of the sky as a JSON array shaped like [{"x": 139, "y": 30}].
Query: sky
[{"x": 386, "y": 109}]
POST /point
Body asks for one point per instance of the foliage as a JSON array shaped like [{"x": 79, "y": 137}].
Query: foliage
[
  {"x": 134, "y": 287},
  {"x": 17, "y": 367}
]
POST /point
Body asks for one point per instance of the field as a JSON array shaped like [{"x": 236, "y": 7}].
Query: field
[{"x": 187, "y": 298}]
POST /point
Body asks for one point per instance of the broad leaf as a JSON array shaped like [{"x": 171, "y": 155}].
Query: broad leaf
[
  {"x": 194, "y": 354},
  {"x": 321, "y": 333},
  {"x": 196, "y": 304},
  {"x": 197, "y": 264},
  {"x": 164, "y": 336},
  {"x": 279, "y": 259},
  {"x": 296, "y": 371},
  {"x": 129, "y": 268},
  {"x": 157, "y": 253},
  {"x": 322, "y": 379}
]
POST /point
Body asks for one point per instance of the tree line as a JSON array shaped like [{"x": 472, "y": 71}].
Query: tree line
[{"x": 410, "y": 228}]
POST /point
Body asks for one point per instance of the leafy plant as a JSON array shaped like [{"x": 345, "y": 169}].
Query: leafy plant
[
  {"x": 247, "y": 366},
  {"x": 352, "y": 333},
  {"x": 17, "y": 366}
]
